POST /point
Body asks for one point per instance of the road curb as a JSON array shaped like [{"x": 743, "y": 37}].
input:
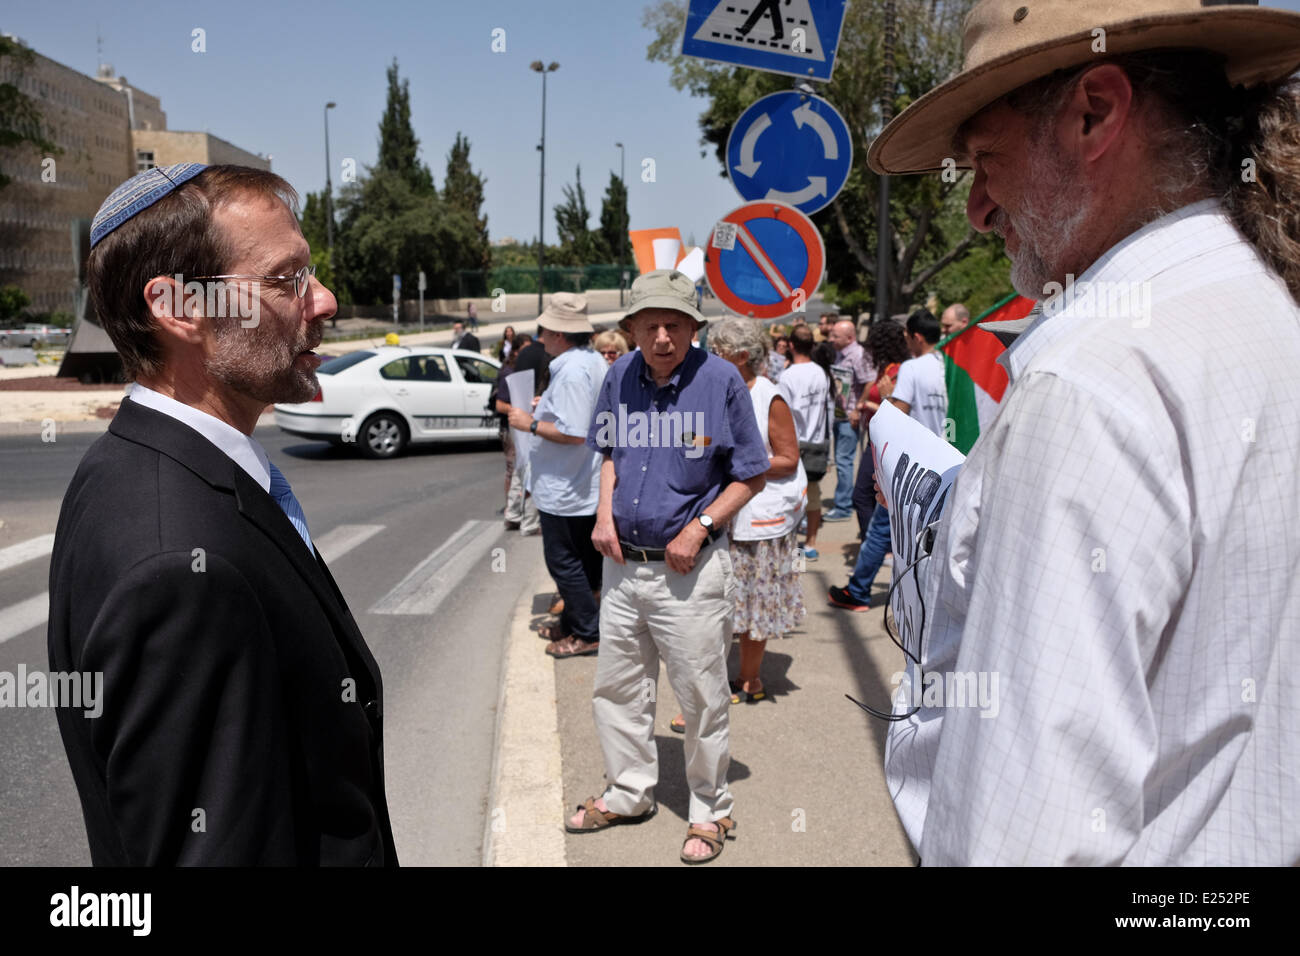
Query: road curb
[{"x": 526, "y": 802}]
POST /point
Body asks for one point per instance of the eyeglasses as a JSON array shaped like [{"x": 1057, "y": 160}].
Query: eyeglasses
[
  {"x": 301, "y": 279},
  {"x": 608, "y": 352}
]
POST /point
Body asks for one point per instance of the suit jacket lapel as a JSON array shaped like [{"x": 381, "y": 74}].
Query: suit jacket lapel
[{"x": 178, "y": 441}]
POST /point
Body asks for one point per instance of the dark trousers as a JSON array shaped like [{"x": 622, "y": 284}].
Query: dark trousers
[
  {"x": 575, "y": 564},
  {"x": 864, "y": 492}
]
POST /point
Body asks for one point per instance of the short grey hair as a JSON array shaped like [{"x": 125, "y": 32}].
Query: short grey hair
[{"x": 734, "y": 335}]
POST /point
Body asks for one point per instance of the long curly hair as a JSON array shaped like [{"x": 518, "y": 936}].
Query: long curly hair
[{"x": 886, "y": 344}]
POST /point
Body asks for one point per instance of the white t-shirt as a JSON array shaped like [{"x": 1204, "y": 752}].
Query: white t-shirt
[
  {"x": 805, "y": 390},
  {"x": 920, "y": 384}
]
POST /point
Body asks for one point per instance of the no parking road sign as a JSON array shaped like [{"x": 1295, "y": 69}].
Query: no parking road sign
[
  {"x": 792, "y": 148},
  {"x": 764, "y": 260}
]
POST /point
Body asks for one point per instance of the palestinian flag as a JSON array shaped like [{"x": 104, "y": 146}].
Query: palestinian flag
[{"x": 975, "y": 380}]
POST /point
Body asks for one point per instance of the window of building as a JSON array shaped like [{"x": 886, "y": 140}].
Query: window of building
[{"x": 144, "y": 160}]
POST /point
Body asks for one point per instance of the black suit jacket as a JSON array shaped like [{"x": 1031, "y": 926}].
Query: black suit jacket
[
  {"x": 469, "y": 342},
  {"x": 242, "y": 710}
]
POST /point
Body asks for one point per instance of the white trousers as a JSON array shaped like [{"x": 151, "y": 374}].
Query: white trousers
[{"x": 648, "y": 612}]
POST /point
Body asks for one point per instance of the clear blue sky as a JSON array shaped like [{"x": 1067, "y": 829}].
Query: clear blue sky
[{"x": 270, "y": 68}]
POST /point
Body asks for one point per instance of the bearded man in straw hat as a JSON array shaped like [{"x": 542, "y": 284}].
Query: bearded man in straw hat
[
  {"x": 681, "y": 455},
  {"x": 564, "y": 475},
  {"x": 1121, "y": 547}
]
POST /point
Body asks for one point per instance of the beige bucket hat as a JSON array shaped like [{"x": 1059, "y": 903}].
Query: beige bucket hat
[
  {"x": 1009, "y": 43},
  {"x": 664, "y": 289},
  {"x": 566, "y": 312}
]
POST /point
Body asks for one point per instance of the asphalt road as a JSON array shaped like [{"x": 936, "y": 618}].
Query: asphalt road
[{"x": 413, "y": 543}]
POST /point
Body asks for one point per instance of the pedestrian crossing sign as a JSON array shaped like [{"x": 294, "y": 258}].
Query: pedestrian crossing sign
[{"x": 795, "y": 37}]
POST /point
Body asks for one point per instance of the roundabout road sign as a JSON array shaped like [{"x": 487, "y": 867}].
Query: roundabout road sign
[
  {"x": 790, "y": 147},
  {"x": 764, "y": 260}
]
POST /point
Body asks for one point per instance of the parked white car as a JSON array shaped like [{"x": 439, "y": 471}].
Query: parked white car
[{"x": 384, "y": 398}]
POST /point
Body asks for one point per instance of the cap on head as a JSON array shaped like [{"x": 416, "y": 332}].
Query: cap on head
[
  {"x": 664, "y": 289},
  {"x": 567, "y": 312},
  {"x": 139, "y": 193}
]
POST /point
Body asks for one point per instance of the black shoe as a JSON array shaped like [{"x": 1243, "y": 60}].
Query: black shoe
[{"x": 841, "y": 597}]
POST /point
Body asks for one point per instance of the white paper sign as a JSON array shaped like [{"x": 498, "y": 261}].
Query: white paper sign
[
  {"x": 520, "y": 386},
  {"x": 915, "y": 469}
]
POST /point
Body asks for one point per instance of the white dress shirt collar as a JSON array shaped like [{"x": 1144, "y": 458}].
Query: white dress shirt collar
[
  {"x": 240, "y": 448},
  {"x": 1138, "y": 257}
]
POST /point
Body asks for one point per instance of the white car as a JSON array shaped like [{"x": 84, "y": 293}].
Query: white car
[{"x": 384, "y": 398}]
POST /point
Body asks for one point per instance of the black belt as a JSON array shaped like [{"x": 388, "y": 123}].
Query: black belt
[{"x": 645, "y": 555}]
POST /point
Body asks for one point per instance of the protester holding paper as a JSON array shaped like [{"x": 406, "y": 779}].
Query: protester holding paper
[
  {"x": 564, "y": 475},
  {"x": 1121, "y": 544}
]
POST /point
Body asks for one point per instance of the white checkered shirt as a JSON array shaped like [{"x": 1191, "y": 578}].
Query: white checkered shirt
[{"x": 1122, "y": 550}]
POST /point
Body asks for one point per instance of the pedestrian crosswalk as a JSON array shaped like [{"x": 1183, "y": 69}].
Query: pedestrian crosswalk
[
  {"x": 420, "y": 592},
  {"x": 433, "y": 579}
]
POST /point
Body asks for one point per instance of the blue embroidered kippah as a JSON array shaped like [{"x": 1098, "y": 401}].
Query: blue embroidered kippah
[{"x": 139, "y": 192}]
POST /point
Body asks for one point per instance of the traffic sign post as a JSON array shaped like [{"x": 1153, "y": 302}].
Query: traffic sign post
[
  {"x": 795, "y": 37},
  {"x": 790, "y": 147},
  {"x": 397, "y": 297},
  {"x": 765, "y": 260},
  {"x": 423, "y": 287}
]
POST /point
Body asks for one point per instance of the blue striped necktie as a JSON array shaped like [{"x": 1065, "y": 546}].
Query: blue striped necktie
[{"x": 284, "y": 497}]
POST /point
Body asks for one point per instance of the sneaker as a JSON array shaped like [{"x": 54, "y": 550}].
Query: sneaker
[
  {"x": 834, "y": 515},
  {"x": 841, "y": 597},
  {"x": 811, "y": 554}
]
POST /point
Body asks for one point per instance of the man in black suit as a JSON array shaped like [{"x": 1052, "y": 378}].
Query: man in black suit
[
  {"x": 460, "y": 339},
  {"x": 242, "y": 718}
]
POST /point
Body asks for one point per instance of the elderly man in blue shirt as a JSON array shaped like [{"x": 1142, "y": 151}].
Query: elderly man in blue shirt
[
  {"x": 564, "y": 474},
  {"x": 682, "y": 454}
]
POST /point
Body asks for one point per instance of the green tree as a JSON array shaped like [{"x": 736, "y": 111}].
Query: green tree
[
  {"x": 388, "y": 227},
  {"x": 312, "y": 223},
  {"x": 614, "y": 220},
  {"x": 462, "y": 190},
  {"x": 12, "y": 302},
  {"x": 580, "y": 245},
  {"x": 399, "y": 149},
  {"x": 928, "y": 232},
  {"x": 20, "y": 118}
]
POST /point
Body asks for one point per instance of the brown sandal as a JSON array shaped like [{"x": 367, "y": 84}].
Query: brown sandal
[
  {"x": 594, "y": 818},
  {"x": 572, "y": 647},
  {"x": 715, "y": 839},
  {"x": 552, "y": 631}
]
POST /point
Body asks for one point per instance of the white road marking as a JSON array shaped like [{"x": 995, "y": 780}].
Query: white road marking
[
  {"x": 339, "y": 541},
  {"x": 24, "y": 551},
  {"x": 22, "y": 617},
  {"x": 434, "y": 578}
]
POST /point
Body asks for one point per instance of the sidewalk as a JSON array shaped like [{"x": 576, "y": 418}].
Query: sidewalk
[{"x": 806, "y": 767}]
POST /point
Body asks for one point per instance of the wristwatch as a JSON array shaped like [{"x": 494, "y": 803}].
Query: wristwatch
[
  {"x": 533, "y": 427},
  {"x": 707, "y": 522}
]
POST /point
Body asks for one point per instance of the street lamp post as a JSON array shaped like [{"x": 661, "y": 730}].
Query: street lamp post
[
  {"x": 622, "y": 239},
  {"x": 329, "y": 209},
  {"x": 537, "y": 67},
  {"x": 329, "y": 188}
]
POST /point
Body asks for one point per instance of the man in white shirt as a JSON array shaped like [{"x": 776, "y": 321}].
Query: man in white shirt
[
  {"x": 564, "y": 474},
  {"x": 920, "y": 390},
  {"x": 1119, "y": 553}
]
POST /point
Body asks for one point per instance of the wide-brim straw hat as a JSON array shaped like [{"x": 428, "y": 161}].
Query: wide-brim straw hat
[
  {"x": 566, "y": 312},
  {"x": 663, "y": 289},
  {"x": 1009, "y": 43}
]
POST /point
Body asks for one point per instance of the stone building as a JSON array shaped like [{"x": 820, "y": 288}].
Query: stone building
[{"x": 108, "y": 131}]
